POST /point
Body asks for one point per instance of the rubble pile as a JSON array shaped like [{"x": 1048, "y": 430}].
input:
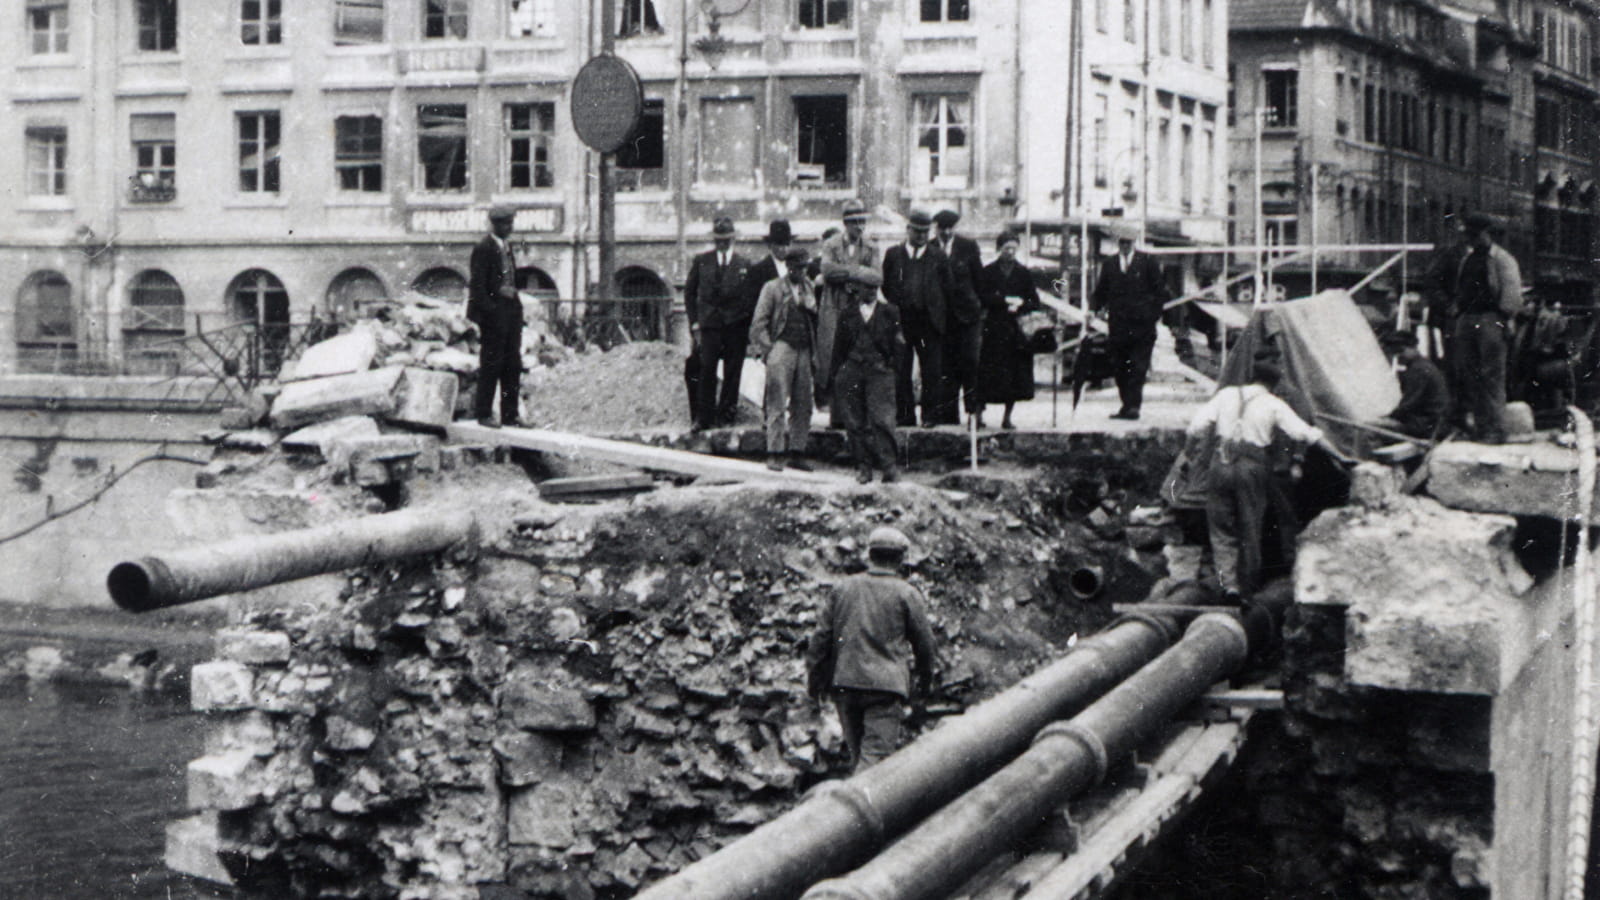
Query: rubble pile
[{"x": 597, "y": 697}]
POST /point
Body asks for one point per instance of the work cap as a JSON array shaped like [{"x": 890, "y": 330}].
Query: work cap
[
  {"x": 502, "y": 213},
  {"x": 946, "y": 218},
  {"x": 1007, "y": 237},
  {"x": 1399, "y": 339},
  {"x": 1477, "y": 222},
  {"x": 868, "y": 277},
  {"x": 920, "y": 220},
  {"x": 885, "y": 538},
  {"x": 778, "y": 232},
  {"x": 797, "y": 255},
  {"x": 854, "y": 210},
  {"x": 722, "y": 227}
]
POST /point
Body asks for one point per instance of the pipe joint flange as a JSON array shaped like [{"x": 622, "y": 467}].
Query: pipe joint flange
[
  {"x": 1230, "y": 624},
  {"x": 1084, "y": 738},
  {"x": 837, "y": 889},
  {"x": 852, "y": 796},
  {"x": 1160, "y": 625}
]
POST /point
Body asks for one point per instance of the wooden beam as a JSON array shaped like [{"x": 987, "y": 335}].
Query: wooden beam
[
  {"x": 660, "y": 459},
  {"x": 589, "y": 485}
]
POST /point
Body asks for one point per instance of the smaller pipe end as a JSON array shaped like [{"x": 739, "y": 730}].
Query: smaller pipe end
[
  {"x": 1085, "y": 582},
  {"x": 139, "y": 585}
]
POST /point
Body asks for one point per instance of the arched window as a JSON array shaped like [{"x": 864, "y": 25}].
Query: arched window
[
  {"x": 535, "y": 280},
  {"x": 441, "y": 283},
  {"x": 155, "y": 304},
  {"x": 258, "y": 296},
  {"x": 651, "y": 296},
  {"x": 351, "y": 291},
  {"x": 46, "y": 340}
]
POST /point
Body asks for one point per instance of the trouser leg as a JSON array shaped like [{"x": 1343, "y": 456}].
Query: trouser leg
[
  {"x": 905, "y": 396},
  {"x": 850, "y": 403},
  {"x": 879, "y": 410},
  {"x": 800, "y": 400},
  {"x": 494, "y": 348},
  {"x": 962, "y": 348},
  {"x": 1137, "y": 369},
  {"x": 511, "y": 375},
  {"x": 1250, "y": 499},
  {"x": 734, "y": 342},
  {"x": 775, "y": 409},
  {"x": 882, "y": 728},
  {"x": 1222, "y": 524},
  {"x": 711, "y": 340},
  {"x": 849, "y": 706}
]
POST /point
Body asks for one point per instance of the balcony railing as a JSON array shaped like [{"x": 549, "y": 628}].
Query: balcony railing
[{"x": 144, "y": 191}]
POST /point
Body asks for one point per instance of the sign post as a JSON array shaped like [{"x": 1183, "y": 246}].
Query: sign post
[{"x": 607, "y": 105}]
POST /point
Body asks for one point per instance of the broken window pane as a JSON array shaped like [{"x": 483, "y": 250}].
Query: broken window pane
[
  {"x": 824, "y": 13},
  {"x": 358, "y": 21},
  {"x": 442, "y": 146},
  {"x": 445, "y": 19},
  {"x": 638, "y": 17},
  {"x": 642, "y": 160},
  {"x": 358, "y": 152},
  {"x": 532, "y": 18},
  {"x": 822, "y": 145},
  {"x": 728, "y": 135}
]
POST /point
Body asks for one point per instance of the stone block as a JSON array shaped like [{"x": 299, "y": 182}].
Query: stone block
[
  {"x": 426, "y": 397},
  {"x": 220, "y": 686},
  {"x": 371, "y": 473},
  {"x": 347, "y": 736},
  {"x": 194, "y": 847},
  {"x": 225, "y": 781},
  {"x": 252, "y": 647},
  {"x": 540, "y": 707},
  {"x": 1517, "y": 479},
  {"x": 527, "y": 758},
  {"x": 350, "y": 352},
  {"x": 549, "y": 814},
  {"x": 387, "y": 448},
  {"x": 255, "y": 440},
  {"x": 1374, "y": 486},
  {"x": 320, "y": 437},
  {"x": 248, "y": 732},
  {"x": 1433, "y": 597},
  {"x": 320, "y": 399}
]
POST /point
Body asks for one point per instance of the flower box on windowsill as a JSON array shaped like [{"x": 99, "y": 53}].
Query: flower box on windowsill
[{"x": 139, "y": 192}]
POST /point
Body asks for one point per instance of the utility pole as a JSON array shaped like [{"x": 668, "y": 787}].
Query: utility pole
[
  {"x": 608, "y": 168},
  {"x": 1261, "y": 236},
  {"x": 1069, "y": 183}
]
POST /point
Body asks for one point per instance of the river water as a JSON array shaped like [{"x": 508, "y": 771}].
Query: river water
[{"x": 89, "y": 779}]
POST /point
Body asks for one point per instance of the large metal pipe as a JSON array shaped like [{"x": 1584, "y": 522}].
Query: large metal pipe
[
  {"x": 243, "y": 563},
  {"x": 1065, "y": 759},
  {"x": 844, "y": 822}
]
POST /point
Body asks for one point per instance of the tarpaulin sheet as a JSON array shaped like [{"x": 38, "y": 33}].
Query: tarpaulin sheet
[{"x": 1331, "y": 364}]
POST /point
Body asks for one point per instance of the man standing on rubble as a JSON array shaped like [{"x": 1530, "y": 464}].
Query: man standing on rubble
[
  {"x": 716, "y": 298},
  {"x": 1487, "y": 294},
  {"x": 1244, "y": 419},
  {"x": 783, "y": 334},
  {"x": 1131, "y": 291},
  {"x": 856, "y": 655},
  {"x": 495, "y": 307}
]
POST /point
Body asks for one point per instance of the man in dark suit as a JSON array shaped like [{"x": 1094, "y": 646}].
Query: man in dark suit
[
  {"x": 866, "y": 352},
  {"x": 916, "y": 281},
  {"x": 494, "y": 306},
  {"x": 771, "y": 266},
  {"x": 716, "y": 297},
  {"x": 1131, "y": 291},
  {"x": 964, "y": 327}
]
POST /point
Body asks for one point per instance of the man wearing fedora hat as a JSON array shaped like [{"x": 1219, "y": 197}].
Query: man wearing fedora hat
[
  {"x": 916, "y": 280},
  {"x": 495, "y": 307},
  {"x": 1131, "y": 291},
  {"x": 716, "y": 298},
  {"x": 783, "y": 334},
  {"x": 964, "y": 328},
  {"x": 842, "y": 256}
]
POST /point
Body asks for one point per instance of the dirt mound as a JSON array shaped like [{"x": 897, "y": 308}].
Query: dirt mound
[{"x": 630, "y": 388}]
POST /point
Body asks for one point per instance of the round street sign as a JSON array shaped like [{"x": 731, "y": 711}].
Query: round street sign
[{"x": 607, "y": 102}]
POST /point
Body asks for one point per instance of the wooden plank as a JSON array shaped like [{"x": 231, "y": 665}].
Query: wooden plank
[
  {"x": 1245, "y": 699},
  {"x": 595, "y": 484},
  {"x": 637, "y": 455},
  {"x": 1097, "y": 859},
  {"x": 1019, "y": 879}
]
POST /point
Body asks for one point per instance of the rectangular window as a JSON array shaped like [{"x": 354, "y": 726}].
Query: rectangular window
[
  {"x": 1186, "y": 33},
  {"x": 444, "y": 18},
  {"x": 1282, "y": 90},
  {"x": 822, "y": 141},
  {"x": 942, "y": 156},
  {"x": 1101, "y": 150},
  {"x": 642, "y": 161},
  {"x": 47, "y": 27},
  {"x": 638, "y": 17},
  {"x": 824, "y": 13},
  {"x": 442, "y": 146},
  {"x": 1164, "y": 159},
  {"x": 261, "y": 22},
  {"x": 155, "y": 157},
  {"x": 1130, "y": 21},
  {"x": 1461, "y": 138},
  {"x": 1186, "y": 165},
  {"x": 1208, "y": 33},
  {"x": 357, "y": 22},
  {"x": 158, "y": 25},
  {"x": 358, "y": 152},
  {"x": 1102, "y": 16},
  {"x": 728, "y": 138},
  {"x": 258, "y": 152},
  {"x": 47, "y": 161},
  {"x": 531, "y": 18},
  {"x": 530, "y": 133},
  {"x": 945, "y": 10}
]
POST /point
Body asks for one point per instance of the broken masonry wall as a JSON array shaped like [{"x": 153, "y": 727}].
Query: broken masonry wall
[
  {"x": 1423, "y": 749},
  {"x": 600, "y": 697}
]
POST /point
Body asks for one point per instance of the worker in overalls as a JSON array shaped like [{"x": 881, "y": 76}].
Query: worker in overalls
[{"x": 1244, "y": 419}]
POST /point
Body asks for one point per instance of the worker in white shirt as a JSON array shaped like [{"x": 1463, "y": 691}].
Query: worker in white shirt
[{"x": 1244, "y": 418}]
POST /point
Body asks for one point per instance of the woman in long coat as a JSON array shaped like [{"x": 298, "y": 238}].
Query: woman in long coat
[{"x": 1005, "y": 364}]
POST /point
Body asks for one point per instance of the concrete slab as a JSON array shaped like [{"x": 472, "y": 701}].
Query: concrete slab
[
  {"x": 193, "y": 848},
  {"x": 352, "y": 351},
  {"x": 1536, "y": 479},
  {"x": 426, "y": 398},
  {"x": 321, "y": 436},
  {"x": 320, "y": 399}
]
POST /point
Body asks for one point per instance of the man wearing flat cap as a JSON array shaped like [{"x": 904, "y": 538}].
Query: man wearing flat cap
[
  {"x": 1487, "y": 294},
  {"x": 916, "y": 281},
  {"x": 842, "y": 256},
  {"x": 495, "y": 307},
  {"x": 1424, "y": 395},
  {"x": 1132, "y": 292},
  {"x": 717, "y": 300},
  {"x": 866, "y": 355},
  {"x": 964, "y": 327},
  {"x": 783, "y": 334}
]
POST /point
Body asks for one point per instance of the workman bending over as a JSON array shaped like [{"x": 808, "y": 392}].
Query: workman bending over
[
  {"x": 856, "y": 655},
  {"x": 1244, "y": 418},
  {"x": 1424, "y": 393}
]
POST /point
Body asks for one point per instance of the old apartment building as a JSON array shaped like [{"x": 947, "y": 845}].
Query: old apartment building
[
  {"x": 1402, "y": 115},
  {"x": 173, "y": 165}
]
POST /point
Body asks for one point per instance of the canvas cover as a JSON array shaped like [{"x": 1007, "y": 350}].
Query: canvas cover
[{"x": 1331, "y": 364}]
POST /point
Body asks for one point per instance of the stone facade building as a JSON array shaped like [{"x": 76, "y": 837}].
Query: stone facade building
[
  {"x": 1404, "y": 115},
  {"x": 171, "y": 165}
]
